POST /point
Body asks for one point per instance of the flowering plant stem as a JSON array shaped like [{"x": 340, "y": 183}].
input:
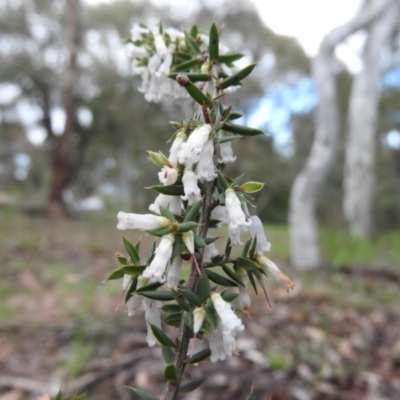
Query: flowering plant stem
[
  {"x": 171, "y": 389},
  {"x": 194, "y": 195}
]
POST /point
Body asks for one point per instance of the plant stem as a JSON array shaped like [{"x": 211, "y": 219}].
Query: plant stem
[{"x": 171, "y": 389}]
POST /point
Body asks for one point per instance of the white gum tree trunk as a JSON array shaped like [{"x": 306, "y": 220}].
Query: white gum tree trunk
[
  {"x": 359, "y": 177},
  {"x": 303, "y": 230}
]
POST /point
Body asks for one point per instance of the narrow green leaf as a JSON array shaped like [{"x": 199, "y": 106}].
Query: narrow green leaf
[
  {"x": 126, "y": 269},
  {"x": 220, "y": 280},
  {"x": 173, "y": 319},
  {"x": 152, "y": 253},
  {"x": 164, "y": 212},
  {"x": 242, "y": 130},
  {"x": 183, "y": 55},
  {"x": 171, "y": 374},
  {"x": 225, "y": 139},
  {"x": 235, "y": 79},
  {"x": 168, "y": 354},
  {"x": 170, "y": 190},
  {"x": 247, "y": 264},
  {"x": 194, "y": 92},
  {"x": 192, "y": 297},
  {"x": 203, "y": 287},
  {"x": 198, "y": 241},
  {"x": 177, "y": 247},
  {"x": 232, "y": 275},
  {"x": 229, "y": 58},
  {"x": 187, "y": 226},
  {"x": 171, "y": 308},
  {"x": 235, "y": 115},
  {"x": 192, "y": 385},
  {"x": 200, "y": 356},
  {"x": 238, "y": 180},
  {"x": 211, "y": 317},
  {"x": 162, "y": 337},
  {"x": 229, "y": 296},
  {"x": 131, "y": 288},
  {"x": 213, "y": 43},
  {"x": 143, "y": 395},
  {"x": 228, "y": 248},
  {"x": 222, "y": 180},
  {"x": 246, "y": 248},
  {"x": 150, "y": 286},
  {"x": 253, "y": 248},
  {"x": 186, "y": 66},
  {"x": 179, "y": 299},
  {"x": 191, "y": 43},
  {"x": 194, "y": 30},
  {"x": 252, "y": 281},
  {"x": 209, "y": 240},
  {"x": 161, "y": 295},
  {"x": 160, "y": 232},
  {"x": 133, "y": 254},
  {"x": 193, "y": 210}
]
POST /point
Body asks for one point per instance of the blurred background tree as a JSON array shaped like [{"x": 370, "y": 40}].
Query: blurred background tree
[{"x": 112, "y": 127}]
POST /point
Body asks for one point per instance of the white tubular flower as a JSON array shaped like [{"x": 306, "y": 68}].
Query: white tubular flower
[
  {"x": 234, "y": 210},
  {"x": 199, "y": 314},
  {"x": 192, "y": 191},
  {"x": 175, "y": 205},
  {"x": 234, "y": 235},
  {"x": 219, "y": 214},
  {"x": 174, "y": 273},
  {"x": 172, "y": 203},
  {"x": 155, "y": 271},
  {"x": 188, "y": 239},
  {"x": 230, "y": 322},
  {"x": 176, "y": 146},
  {"x": 256, "y": 230},
  {"x": 271, "y": 268},
  {"x": 226, "y": 152},
  {"x": 144, "y": 222},
  {"x": 217, "y": 347},
  {"x": 168, "y": 176},
  {"x": 126, "y": 282},
  {"x": 189, "y": 153},
  {"x": 210, "y": 251},
  {"x": 133, "y": 51},
  {"x": 152, "y": 316},
  {"x": 136, "y": 304},
  {"x": 205, "y": 170}
]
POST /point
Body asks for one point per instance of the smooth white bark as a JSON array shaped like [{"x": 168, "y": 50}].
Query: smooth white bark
[
  {"x": 359, "y": 177},
  {"x": 305, "y": 252}
]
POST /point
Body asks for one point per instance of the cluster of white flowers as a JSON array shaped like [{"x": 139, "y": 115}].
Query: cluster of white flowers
[
  {"x": 151, "y": 53},
  {"x": 198, "y": 148}
]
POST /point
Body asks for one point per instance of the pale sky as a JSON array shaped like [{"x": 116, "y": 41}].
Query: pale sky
[{"x": 307, "y": 20}]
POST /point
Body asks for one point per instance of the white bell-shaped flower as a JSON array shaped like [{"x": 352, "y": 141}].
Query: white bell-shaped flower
[
  {"x": 190, "y": 187},
  {"x": 231, "y": 324},
  {"x": 272, "y": 269},
  {"x": 189, "y": 153},
  {"x": 174, "y": 273},
  {"x": 145, "y": 222},
  {"x": 152, "y": 316},
  {"x": 155, "y": 272},
  {"x": 205, "y": 170},
  {"x": 176, "y": 146},
  {"x": 256, "y": 230},
  {"x": 168, "y": 175}
]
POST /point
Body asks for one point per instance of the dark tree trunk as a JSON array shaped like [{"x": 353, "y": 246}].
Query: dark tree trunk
[{"x": 62, "y": 151}]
